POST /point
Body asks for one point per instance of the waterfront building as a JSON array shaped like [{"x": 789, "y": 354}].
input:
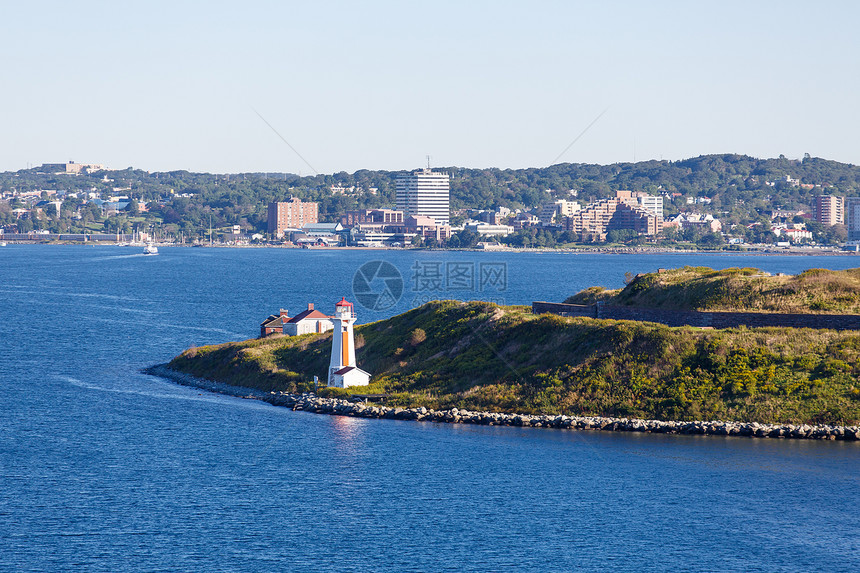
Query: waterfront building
[
  {"x": 374, "y": 235},
  {"x": 343, "y": 371},
  {"x": 852, "y": 217},
  {"x": 488, "y": 230},
  {"x": 385, "y": 226},
  {"x": 425, "y": 193},
  {"x": 292, "y": 214},
  {"x": 372, "y": 216},
  {"x": 793, "y": 235},
  {"x": 427, "y": 227},
  {"x": 829, "y": 210},
  {"x": 594, "y": 222},
  {"x": 332, "y": 232}
]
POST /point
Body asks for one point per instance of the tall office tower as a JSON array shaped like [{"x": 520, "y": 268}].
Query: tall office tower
[
  {"x": 830, "y": 210},
  {"x": 852, "y": 217},
  {"x": 424, "y": 192},
  {"x": 292, "y": 214}
]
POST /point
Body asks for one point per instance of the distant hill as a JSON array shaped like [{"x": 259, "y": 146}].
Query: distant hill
[
  {"x": 747, "y": 289},
  {"x": 739, "y": 188},
  {"x": 481, "y": 356}
]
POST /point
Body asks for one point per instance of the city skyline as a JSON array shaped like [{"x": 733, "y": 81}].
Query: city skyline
[{"x": 300, "y": 89}]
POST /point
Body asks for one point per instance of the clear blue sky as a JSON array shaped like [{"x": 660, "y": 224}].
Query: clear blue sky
[{"x": 380, "y": 85}]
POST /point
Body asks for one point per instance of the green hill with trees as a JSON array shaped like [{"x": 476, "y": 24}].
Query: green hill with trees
[{"x": 480, "y": 356}]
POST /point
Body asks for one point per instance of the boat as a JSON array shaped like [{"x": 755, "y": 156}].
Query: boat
[
  {"x": 2, "y": 243},
  {"x": 150, "y": 249}
]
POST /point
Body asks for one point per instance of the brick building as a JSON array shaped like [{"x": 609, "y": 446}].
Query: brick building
[{"x": 292, "y": 214}]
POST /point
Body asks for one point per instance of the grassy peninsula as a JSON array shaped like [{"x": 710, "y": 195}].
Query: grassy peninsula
[{"x": 481, "y": 356}]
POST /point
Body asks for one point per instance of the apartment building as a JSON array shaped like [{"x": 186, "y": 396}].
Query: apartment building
[
  {"x": 830, "y": 210},
  {"x": 292, "y": 214}
]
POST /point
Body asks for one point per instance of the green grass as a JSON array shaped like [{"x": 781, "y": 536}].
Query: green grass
[
  {"x": 484, "y": 357},
  {"x": 736, "y": 289}
]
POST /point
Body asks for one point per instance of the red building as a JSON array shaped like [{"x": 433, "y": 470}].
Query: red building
[
  {"x": 274, "y": 324},
  {"x": 292, "y": 214}
]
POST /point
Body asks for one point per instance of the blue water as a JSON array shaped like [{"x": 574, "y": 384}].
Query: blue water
[{"x": 105, "y": 469}]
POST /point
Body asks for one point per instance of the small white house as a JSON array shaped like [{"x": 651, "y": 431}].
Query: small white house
[
  {"x": 307, "y": 321},
  {"x": 350, "y": 376}
]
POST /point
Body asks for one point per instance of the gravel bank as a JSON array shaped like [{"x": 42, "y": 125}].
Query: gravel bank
[{"x": 338, "y": 407}]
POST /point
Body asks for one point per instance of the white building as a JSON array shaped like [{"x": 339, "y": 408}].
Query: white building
[
  {"x": 554, "y": 213},
  {"x": 793, "y": 235},
  {"x": 852, "y": 217},
  {"x": 425, "y": 192},
  {"x": 653, "y": 203},
  {"x": 488, "y": 230},
  {"x": 342, "y": 369},
  {"x": 308, "y": 321},
  {"x": 687, "y": 220}
]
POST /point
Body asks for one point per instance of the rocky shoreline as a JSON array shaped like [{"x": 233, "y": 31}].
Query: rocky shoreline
[{"x": 337, "y": 407}]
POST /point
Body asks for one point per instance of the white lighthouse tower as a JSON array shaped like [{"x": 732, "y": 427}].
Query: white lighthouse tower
[{"x": 342, "y": 369}]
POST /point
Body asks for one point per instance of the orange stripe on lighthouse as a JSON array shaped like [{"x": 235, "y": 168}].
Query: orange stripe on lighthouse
[{"x": 344, "y": 347}]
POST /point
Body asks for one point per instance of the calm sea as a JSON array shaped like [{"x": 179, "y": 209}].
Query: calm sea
[{"x": 105, "y": 469}]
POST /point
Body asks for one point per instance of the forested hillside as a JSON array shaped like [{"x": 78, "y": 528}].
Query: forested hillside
[{"x": 740, "y": 188}]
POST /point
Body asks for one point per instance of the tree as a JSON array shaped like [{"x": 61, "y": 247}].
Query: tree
[
  {"x": 468, "y": 238},
  {"x": 621, "y": 235},
  {"x": 670, "y": 233},
  {"x": 836, "y": 234},
  {"x": 711, "y": 241}
]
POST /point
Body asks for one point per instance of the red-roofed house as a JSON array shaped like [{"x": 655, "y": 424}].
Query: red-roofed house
[
  {"x": 307, "y": 321},
  {"x": 350, "y": 376},
  {"x": 274, "y": 324}
]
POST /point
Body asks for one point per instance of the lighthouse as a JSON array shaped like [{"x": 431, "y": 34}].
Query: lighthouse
[{"x": 343, "y": 372}]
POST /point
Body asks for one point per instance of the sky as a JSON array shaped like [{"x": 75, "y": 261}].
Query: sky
[{"x": 322, "y": 87}]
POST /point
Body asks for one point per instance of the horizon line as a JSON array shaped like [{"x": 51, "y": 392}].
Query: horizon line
[{"x": 226, "y": 173}]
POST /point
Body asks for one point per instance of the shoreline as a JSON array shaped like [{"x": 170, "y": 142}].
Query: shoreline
[
  {"x": 761, "y": 251},
  {"x": 309, "y": 402}
]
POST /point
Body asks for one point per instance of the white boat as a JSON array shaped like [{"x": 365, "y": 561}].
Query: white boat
[
  {"x": 2, "y": 243},
  {"x": 150, "y": 249}
]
